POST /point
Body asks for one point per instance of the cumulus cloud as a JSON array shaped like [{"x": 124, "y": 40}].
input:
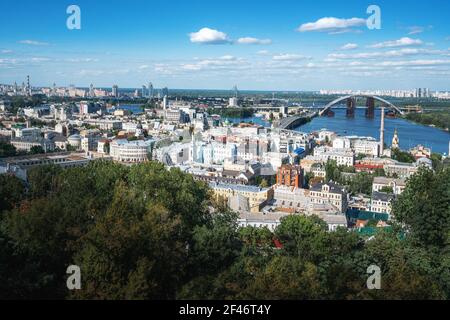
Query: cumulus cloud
[
  {"x": 403, "y": 42},
  {"x": 250, "y": 40},
  {"x": 333, "y": 25},
  {"x": 209, "y": 36},
  {"x": 289, "y": 57},
  {"x": 33, "y": 43},
  {"x": 5, "y": 51},
  {"x": 349, "y": 46}
]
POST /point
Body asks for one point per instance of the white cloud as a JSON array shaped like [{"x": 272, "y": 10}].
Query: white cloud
[
  {"x": 349, "y": 46},
  {"x": 78, "y": 60},
  {"x": 39, "y": 59},
  {"x": 418, "y": 29},
  {"x": 385, "y": 54},
  {"x": 227, "y": 57},
  {"x": 144, "y": 66},
  {"x": 6, "y": 51},
  {"x": 33, "y": 43},
  {"x": 331, "y": 24},
  {"x": 414, "y": 63},
  {"x": 289, "y": 57},
  {"x": 263, "y": 52},
  {"x": 250, "y": 40},
  {"x": 415, "y": 30},
  {"x": 209, "y": 36},
  {"x": 403, "y": 42}
]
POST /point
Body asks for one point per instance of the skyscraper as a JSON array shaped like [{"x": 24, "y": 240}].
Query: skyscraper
[
  {"x": 165, "y": 103},
  {"x": 28, "y": 90},
  {"x": 382, "y": 132},
  {"x": 150, "y": 90},
  {"x": 144, "y": 91},
  {"x": 115, "y": 91},
  {"x": 165, "y": 91},
  {"x": 91, "y": 90}
]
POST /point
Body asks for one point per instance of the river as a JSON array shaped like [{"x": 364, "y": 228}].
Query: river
[{"x": 410, "y": 134}]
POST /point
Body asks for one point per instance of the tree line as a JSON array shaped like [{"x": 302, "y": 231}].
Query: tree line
[{"x": 145, "y": 232}]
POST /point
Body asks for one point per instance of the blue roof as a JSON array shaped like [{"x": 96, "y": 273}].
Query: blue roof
[{"x": 299, "y": 150}]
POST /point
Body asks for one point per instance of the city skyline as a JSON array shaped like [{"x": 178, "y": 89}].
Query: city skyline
[{"x": 288, "y": 46}]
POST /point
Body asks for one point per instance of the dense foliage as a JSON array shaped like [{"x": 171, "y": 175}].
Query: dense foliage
[
  {"x": 233, "y": 112},
  {"x": 402, "y": 156},
  {"x": 355, "y": 183},
  {"x": 7, "y": 150},
  {"x": 145, "y": 232},
  {"x": 440, "y": 119}
]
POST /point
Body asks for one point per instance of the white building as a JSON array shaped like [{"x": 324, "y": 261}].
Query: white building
[
  {"x": 381, "y": 202},
  {"x": 344, "y": 157},
  {"x": 367, "y": 147},
  {"x": 233, "y": 102},
  {"x": 397, "y": 185},
  {"x": 27, "y": 132},
  {"x": 341, "y": 143},
  {"x": 259, "y": 220},
  {"x": 27, "y": 143},
  {"x": 130, "y": 151},
  {"x": 329, "y": 193}
]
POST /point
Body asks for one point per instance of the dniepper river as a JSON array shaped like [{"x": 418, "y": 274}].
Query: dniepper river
[{"x": 410, "y": 134}]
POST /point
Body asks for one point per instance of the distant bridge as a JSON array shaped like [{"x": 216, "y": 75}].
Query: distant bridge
[
  {"x": 351, "y": 104},
  {"x": 295, "y": 121}
]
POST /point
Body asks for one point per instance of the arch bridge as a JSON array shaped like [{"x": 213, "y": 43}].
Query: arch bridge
[{"x": 351, "y": 105}]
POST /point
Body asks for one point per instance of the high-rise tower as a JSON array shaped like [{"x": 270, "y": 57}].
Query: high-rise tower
[
  {"x": 382, "y": 132},
  {"x": 150, "y": 90},
  {"x": 28, "y": 86}
]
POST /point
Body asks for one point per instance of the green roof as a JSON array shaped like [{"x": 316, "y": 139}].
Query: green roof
[
  {"x": 371, "y": 231},
  {"x": 367, "y": 215}
]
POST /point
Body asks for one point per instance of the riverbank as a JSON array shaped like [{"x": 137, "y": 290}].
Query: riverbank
[{"x": 438, "y": 119}]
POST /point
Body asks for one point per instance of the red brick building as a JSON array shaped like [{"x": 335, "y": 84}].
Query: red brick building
[{"x": 290, "y": 176}]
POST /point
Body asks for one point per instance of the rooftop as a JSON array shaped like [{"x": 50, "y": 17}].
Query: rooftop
[{"x": 237, "y": 187}]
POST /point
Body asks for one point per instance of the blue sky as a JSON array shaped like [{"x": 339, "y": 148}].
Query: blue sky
[{"x": 267, "y": 45}]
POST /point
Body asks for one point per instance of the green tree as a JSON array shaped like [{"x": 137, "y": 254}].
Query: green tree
[
  {"x": 12, "y": 191},
  {"x": 402, "y": 156},
  {"x": 387, "y": 190},
  {"x": 302, "y": 236},
  {"x": 7, "y": 150},
  {"x": 424, "y": 207},
  {"x": 37, "y": 150}
]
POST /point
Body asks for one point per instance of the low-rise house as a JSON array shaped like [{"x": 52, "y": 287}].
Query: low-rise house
[
  {"x": 257, "y": 197},
  {"x": 331, "y": 193},
  {"x": 397, "y": 185},
  {"x": 381, "y": 202},
  {"x": 20, "y": 165},
  {"x": 26, "y": 144}
]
